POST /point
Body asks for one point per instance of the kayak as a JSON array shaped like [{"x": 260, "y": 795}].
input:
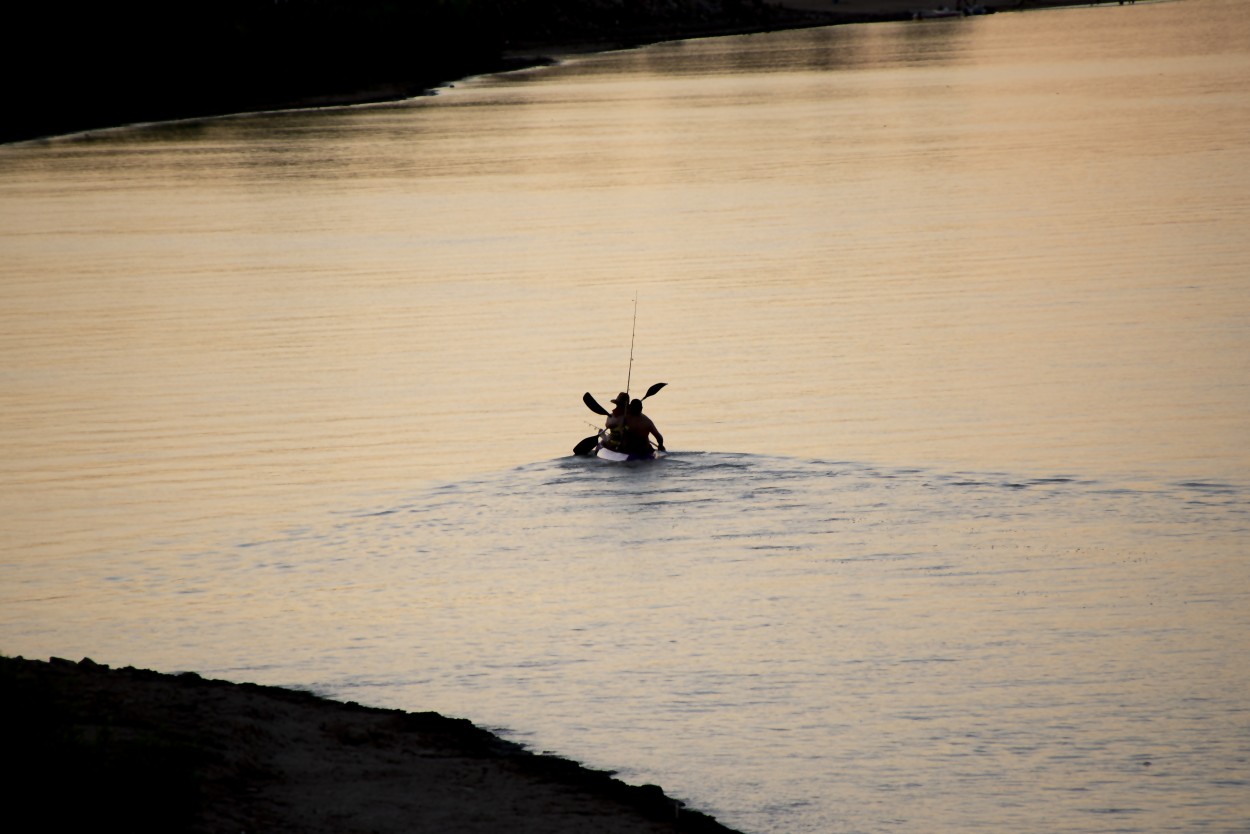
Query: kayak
[
  {"x": 596, "y": 446},
  {"x": 604, "y": 453},
  {"x": 593, "y": 447}
]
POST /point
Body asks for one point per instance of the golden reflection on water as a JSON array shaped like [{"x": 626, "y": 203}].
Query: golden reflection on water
[{"x": 875, "y": 243}]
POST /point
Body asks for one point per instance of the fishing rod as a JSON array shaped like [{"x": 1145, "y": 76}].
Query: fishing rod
[
  {"x": 589, "y": 445},
  {"x": 654, "y": 389},
  {"x": 586, "y": 446},
  {"x": 633, "y": 330}
]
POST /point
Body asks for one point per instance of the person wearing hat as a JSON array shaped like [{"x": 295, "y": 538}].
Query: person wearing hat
[{"x": 616, "y": 421}]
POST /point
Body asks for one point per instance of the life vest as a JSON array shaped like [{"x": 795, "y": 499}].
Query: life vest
[{"x": 614, "y": 436}]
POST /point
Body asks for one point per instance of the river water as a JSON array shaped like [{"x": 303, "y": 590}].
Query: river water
[{"x": 955, "y": 318}]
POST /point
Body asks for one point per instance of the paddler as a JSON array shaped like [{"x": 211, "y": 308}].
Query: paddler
[
  {"x": 638, "y": 427},
  {"x": 615, "y": 423}
]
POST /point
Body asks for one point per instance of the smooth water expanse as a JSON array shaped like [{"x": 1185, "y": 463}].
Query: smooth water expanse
[{"x": 955, "y": 317}]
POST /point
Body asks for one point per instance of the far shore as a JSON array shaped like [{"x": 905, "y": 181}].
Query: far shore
[
  {"x": 150, "y": 87},
  {"x": 792, "y": 14}
]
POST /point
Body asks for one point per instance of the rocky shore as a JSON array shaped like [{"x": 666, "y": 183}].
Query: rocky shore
[{"x": 135, "y": 750}]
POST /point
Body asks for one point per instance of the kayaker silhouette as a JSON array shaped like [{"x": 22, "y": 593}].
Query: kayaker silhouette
[
  {"x": 617, "y": 417},
  {"x": 626, "y": 415},
  {"x": 614, "y": 437},
  {"x": 638, "y": 429}
]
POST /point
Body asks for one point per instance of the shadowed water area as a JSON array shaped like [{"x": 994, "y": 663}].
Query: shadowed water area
[{"x": 955, "y": 323}]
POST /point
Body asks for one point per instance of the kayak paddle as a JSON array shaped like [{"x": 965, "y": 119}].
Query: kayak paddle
[
  {"x": 592, "y": 405},
  {"x": 586, "y": 446}
]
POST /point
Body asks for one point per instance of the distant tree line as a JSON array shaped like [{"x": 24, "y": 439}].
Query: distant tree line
[{"x": 77, "y": 66}]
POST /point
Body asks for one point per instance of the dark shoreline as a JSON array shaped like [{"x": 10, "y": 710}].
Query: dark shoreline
[
  {"x": 114, "y": 72},
  {"x": 142, "y": 751},
  {"x": 138, "y": 61}
]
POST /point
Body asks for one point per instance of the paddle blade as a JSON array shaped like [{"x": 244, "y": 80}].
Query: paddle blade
[
  {"x": 654, "y": 389},
  {"x": 586, "y": 446},
  {"x": 592, "y": 405}
]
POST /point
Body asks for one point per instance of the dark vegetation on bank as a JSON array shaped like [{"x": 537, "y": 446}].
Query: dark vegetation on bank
[
  {"x": 78, "y": 67},
  {"x": 94, "y": 748},
  {"x": 81, "y": 66}
]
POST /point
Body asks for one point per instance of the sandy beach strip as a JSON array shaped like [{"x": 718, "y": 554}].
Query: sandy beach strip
[{"x": 142, "y": 751}]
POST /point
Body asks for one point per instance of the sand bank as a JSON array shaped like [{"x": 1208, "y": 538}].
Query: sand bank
[{"x": 136, "y": 750}]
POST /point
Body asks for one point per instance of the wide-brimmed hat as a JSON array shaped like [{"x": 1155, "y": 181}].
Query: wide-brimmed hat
[{"x": 621, "y": 399}]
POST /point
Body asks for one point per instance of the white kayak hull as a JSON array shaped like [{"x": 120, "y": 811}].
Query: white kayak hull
[
  {"x": 604, "y": 453},
  {"x": 593, "y": 447}
]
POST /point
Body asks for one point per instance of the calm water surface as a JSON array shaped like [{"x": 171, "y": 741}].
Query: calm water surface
[{"x": 956, "y": 323}]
